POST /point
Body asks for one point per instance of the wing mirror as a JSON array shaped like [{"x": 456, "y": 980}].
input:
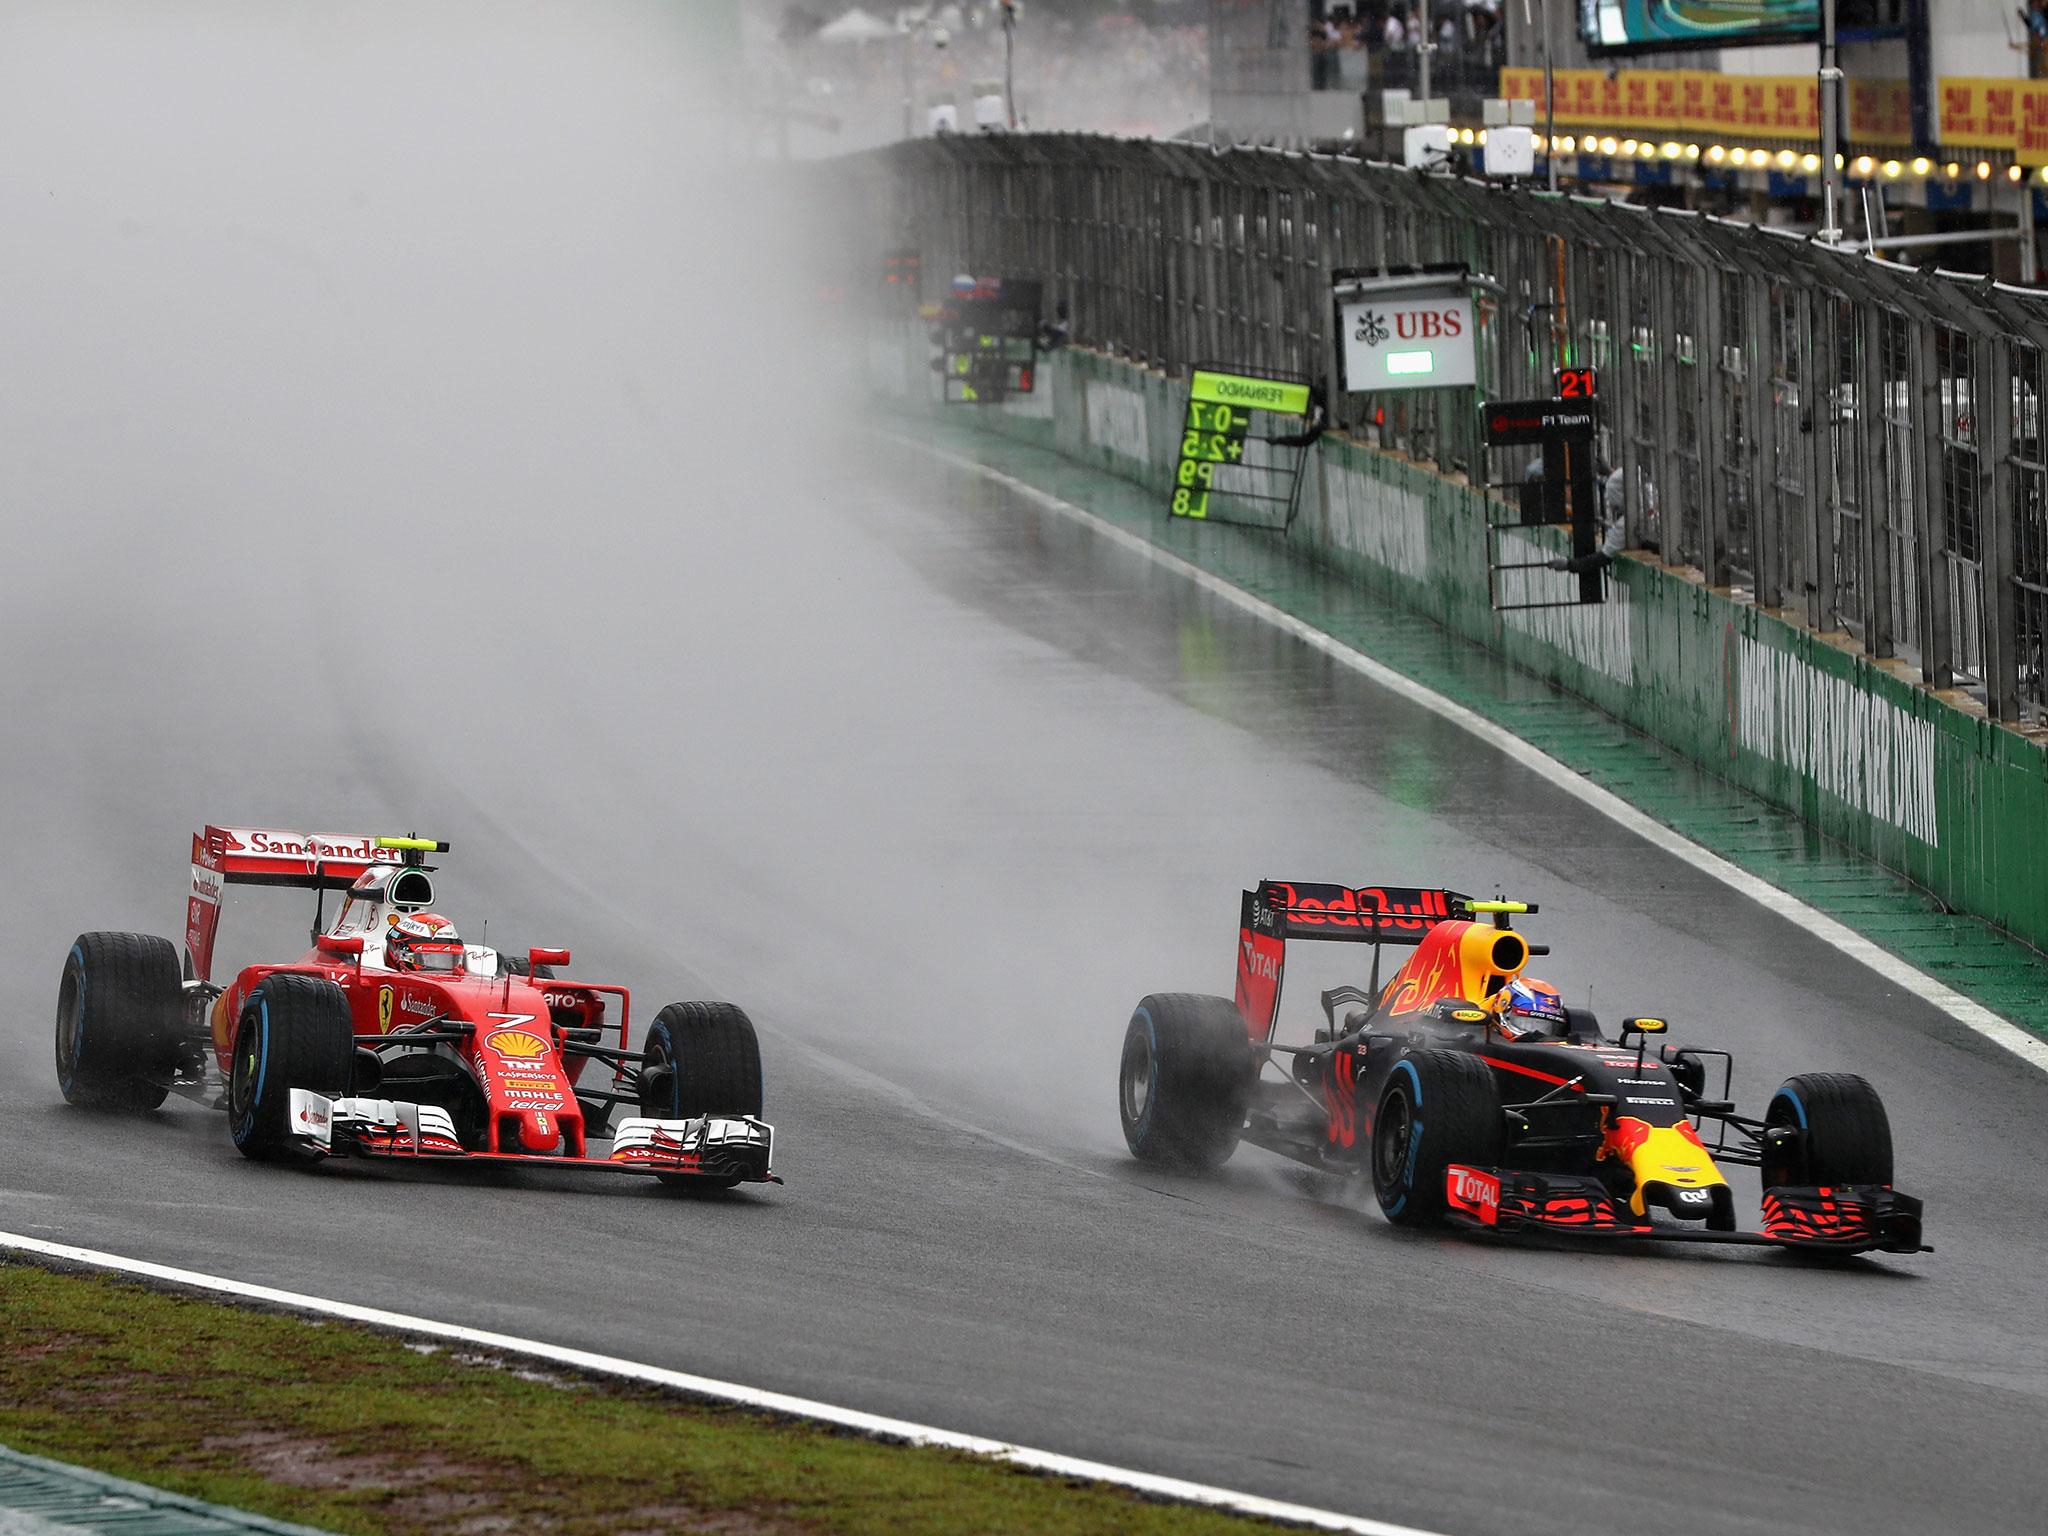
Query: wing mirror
[
  {"x": 536, "y": 958},
  {"x": 341, "y": 944},
  {"x": 1642, "y": 1027}
]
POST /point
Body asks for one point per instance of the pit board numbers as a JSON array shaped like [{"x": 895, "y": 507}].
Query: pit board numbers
[{"x": 1227, "y": 472}]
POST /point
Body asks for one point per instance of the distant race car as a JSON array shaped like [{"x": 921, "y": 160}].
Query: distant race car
[
  {"x": 391, "y": 1038},
  {"x": 1469, "y": 1094}
]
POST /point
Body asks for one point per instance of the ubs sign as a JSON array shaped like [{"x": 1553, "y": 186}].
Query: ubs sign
[{"x": 1408, "y": 332}]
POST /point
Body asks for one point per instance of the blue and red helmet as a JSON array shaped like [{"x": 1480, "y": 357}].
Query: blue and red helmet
[{"x": 1536, "y": 1002}]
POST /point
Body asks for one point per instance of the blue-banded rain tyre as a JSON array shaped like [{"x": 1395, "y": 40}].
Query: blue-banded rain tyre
[
  {"x": 294, "y": 1031},
  {"x": 120, "y": 1008},
  {"x": 1435, "y": 1109},
  {"x": 1185, "y": 1080},
  {"x": 700, "y": 1059},
  {"x": 1841, "y": 1133}
]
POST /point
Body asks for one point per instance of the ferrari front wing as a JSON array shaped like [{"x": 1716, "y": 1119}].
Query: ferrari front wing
[
  {"x": 711, "y": 1146},
  {"x": 1855, "y": 1218}
]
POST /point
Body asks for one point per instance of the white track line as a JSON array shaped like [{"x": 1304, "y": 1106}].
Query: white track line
[
  {"x": 1971, "y": 1015},
  {"x": 1172, "y": 1489}
]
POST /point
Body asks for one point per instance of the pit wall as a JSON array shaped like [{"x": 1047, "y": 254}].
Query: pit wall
[{"x": 1948, "y": 799}]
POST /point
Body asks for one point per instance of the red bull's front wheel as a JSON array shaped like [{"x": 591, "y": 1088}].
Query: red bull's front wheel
[{"x": 1437, "y": 1108}]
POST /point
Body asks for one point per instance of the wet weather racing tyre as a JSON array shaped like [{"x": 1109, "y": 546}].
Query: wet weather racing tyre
[
  {"x": 120, "y": 1005},
  {"x": 1437, "y": 1108},
  {"x": 293, "y": 1032},
  {"x": 1185, "y": 1080},
  {"x": 1843, "y": 1135},
  {"x": 700, "y": 1059}
]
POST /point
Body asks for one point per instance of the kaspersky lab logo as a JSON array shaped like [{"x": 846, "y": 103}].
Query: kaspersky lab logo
[{"x": 1372, "y": 329}]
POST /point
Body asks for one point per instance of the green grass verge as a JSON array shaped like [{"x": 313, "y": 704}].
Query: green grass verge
[{"x": 339, "y": 1426}]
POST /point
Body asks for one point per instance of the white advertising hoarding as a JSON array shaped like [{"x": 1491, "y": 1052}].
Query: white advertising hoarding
[{"x": 1406, "y": 333}]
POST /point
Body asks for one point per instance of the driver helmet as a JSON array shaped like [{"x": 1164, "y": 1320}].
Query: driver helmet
[
  {"x": 1534, "y": 1008},
  {"x": 424, "y": 941}
]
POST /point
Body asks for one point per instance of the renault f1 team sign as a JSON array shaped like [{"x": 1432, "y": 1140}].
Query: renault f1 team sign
[{"x": 1405, "y": 332}]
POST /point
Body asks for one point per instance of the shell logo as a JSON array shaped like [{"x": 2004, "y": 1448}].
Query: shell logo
[{"x": 517, "y": 1044}]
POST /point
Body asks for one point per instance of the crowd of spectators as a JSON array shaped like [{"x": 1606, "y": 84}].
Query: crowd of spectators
[
  {"x": 1117, "y": 70},
  {"x": 1374, "y": 43}
]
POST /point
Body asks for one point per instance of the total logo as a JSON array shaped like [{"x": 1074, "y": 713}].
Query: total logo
[
  {"x": 1264, "y": 967},
  {"x": 1471, "y": 1190}
]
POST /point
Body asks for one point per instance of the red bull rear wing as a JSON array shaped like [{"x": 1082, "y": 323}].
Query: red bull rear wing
[{"x": 1279, "y": 910}]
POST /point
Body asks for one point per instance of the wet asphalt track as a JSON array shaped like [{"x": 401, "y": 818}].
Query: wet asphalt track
[
  {"x": 390, "y": 440},
  {"x": 938, "y": 800}
]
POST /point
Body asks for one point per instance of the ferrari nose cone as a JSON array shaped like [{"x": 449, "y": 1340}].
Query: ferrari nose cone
[{"x": 539, "y": 1130}]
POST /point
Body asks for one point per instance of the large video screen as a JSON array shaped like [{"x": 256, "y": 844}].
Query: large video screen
[{"x": 1640, "y": 25}]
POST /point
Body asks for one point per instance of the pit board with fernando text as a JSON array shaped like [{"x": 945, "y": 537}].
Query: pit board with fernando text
[{"x": 1242, "y": 447}]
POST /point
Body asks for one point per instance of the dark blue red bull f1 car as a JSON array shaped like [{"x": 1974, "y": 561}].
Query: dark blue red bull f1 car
[{"x": 1470, "y": 1095}]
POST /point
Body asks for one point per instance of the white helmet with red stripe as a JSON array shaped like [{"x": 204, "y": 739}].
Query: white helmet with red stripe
[{"x": 424, "y": 941}]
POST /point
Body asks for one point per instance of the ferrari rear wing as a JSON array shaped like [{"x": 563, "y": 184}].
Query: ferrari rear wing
[
  {"x": 1279, "y": 910},
  {"x": 307, "y": 861}
]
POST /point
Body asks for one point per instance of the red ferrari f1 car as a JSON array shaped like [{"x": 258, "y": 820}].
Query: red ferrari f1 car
[
  {"x": 1469, "y": 1094},
  {"x": 393, "y": 1038}
]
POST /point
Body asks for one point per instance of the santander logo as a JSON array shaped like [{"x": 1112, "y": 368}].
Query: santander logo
[{"x": 294, "y": 845}]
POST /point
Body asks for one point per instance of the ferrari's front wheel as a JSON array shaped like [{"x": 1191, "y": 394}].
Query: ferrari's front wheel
[
  {"x": 700, "y": 1059},
  {"x": 1185, "y": 1079},
  {"x": 1437, "y": 1108},
  {"x": 294, "y": 1032},
  {"x": 1833, "y": 1130},
  {"x": 120, "y": 1003}
]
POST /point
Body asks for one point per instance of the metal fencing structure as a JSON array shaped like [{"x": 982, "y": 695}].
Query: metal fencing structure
[{"x": 1855, "y": 443}]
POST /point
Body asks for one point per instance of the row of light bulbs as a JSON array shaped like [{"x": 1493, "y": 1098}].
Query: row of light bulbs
[{"x": 1866, "y": 166}]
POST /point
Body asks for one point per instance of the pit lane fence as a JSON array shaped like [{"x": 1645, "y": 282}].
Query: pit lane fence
[
  {"x": 1849, "y": 442},
  {"x": 1915, "y": 777}
]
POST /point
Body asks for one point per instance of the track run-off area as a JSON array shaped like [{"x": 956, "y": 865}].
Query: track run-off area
[{"x": 318, "y": 519}]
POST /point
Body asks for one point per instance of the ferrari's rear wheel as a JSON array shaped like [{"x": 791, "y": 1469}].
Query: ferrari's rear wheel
[
  {"x": 1437, "y": 1108},
  {"x": 700, "y": 1059},
  {"x": 1841, "y": 1134},
  {"x": 120, "y": 1004},
  {"x": 1185, "y": 1079},
  {"x": 294, "y": 1032}
]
